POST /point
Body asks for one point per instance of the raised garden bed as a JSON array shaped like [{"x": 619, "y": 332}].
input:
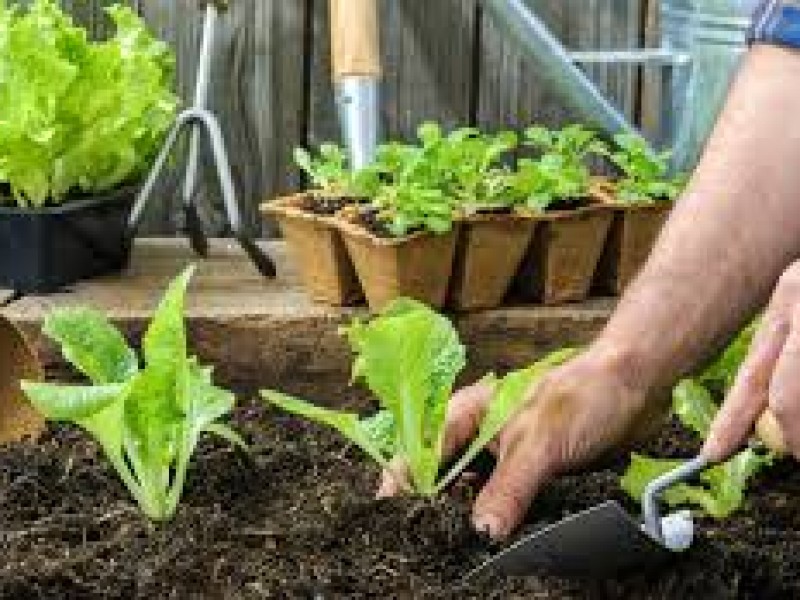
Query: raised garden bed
[{"x": 296, "y": 520}]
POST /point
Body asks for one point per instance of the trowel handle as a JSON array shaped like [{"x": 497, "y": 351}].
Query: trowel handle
[
  {"x": 652, "y": 493},
  {"x": 355, "y": 41}
]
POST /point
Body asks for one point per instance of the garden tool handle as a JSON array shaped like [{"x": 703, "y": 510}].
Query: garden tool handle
[
  {"x": 766, "y": 431},
  {"x": 355, "y": 42},
  {"x": 652, "y": 493}
]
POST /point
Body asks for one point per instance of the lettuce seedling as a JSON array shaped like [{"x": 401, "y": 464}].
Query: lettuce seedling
[
  {"x": 409, "y": 357},
  {"x": 646, "y": 176},
  {"x": 561, "y": 173},
  {"x": 146, "y": 418},
  {"x": 329, "y": 171},
  {"x": 722, "y": 488}
]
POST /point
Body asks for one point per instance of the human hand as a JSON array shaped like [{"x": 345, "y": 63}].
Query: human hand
[
  {"x": 766, "y": 392},
  {"x": 576, "y": 414}
]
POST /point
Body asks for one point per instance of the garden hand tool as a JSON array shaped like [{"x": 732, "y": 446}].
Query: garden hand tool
[
  {"x": 356, "y": 74},
  {"x": 604, "y": 540},
  {"x": 197, "y": 120},
  {"x": 18, "y": 419}
]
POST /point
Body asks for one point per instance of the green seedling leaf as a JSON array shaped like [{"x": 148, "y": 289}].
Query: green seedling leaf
[
  {"x": 92, "y": 345},
  {"x": 719, "y": 376},
  {"x": 348, "y": 424},
  {"x": 148, "y": 421},
  {"x": 694, "y": 406},
  {"x": 645, "y": 173},
  {"x": 511, "y": 394}
]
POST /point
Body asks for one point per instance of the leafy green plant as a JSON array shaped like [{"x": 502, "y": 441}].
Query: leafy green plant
[
  {"x": 329, "y": 171},
  {"x": 561, "y": 173},
  {"x": 409, "y": 357},
  {"x": 408, "y": 207},
  {"x": 722, "y": 488},
  {"x": 76, "y": 115},
  {"x": 147, "y": 419},
  {"x": 646, "y": 176}
]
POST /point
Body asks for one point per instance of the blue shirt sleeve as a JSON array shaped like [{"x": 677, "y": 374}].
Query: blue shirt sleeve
[{"x": 777, "y": 22}]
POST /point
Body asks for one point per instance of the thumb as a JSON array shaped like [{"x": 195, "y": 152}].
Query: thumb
[
  {"x": 521, "y": 471},
  {"x": 748, "y": 398}
]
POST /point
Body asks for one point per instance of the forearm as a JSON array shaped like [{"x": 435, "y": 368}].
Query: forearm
[{"x": 730, "y": 236}]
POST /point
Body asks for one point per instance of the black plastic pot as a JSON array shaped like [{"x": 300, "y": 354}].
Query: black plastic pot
[{"x": 44, "y": 250}]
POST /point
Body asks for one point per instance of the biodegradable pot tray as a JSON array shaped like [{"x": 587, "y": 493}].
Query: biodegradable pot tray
[
  {"x": 490, "y": 250},
  {"x": 634, "y": 231},
  {"x": 325, "y": 267},
  {"x": 44, "y": 250},
  {"x": 418, "y": 266},
  {"x": 560, "y": 265}
]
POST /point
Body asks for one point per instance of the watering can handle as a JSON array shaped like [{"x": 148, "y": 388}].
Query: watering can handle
[{"x": 355, "y": 41}]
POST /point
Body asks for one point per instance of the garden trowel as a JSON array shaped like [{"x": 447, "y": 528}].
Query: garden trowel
[
  {"x": 604, "y": 540},
  {"x": 18, "y": 419}
]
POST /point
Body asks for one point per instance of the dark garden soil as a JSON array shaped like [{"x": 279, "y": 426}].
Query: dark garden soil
[
  {"x": 328, "y": 206},
  {"x": 296, "y": 520}
]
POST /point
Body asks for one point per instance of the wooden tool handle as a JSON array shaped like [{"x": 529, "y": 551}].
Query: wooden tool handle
[{"x": 355, "y": 40}]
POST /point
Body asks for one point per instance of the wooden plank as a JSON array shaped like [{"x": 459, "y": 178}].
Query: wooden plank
[
  {"x": 427, "y": 58},
  {"x": 267, "y": 333},
  {"x": 512, "y": 94}
]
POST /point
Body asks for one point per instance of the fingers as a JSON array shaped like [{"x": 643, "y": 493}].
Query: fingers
[
  {"x": 464, "y": 416},
  {"x": 521, "y": 472},
  {"x": 784, "y": 392},
  {"x": 395, "y": 480},
  {"x": 749, "y": 396}
]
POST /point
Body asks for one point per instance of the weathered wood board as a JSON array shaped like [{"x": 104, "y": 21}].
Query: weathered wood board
[{"x": 267, "y": 333}]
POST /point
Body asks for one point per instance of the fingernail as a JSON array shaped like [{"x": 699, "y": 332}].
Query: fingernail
[{"x": 490, "y": 525}]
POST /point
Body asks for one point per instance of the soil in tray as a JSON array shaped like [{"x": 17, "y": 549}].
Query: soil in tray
[
  {"x": 295, "y": 520},
  {"x": 327, "y": 206}
]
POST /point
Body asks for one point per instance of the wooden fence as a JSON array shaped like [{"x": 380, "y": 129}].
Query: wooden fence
[{"x": 444, "y": 60}]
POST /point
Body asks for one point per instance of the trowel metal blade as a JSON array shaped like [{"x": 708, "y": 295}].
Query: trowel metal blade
[{"x": 601, "y": 541}]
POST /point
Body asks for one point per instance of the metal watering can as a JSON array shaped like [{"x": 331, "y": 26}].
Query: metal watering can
[{"x": 702, "y": 42}]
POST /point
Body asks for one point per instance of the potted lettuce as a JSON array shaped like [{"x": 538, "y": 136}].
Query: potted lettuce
[
  {"x": 642, "y": 199},
  {"x": 558, "y": 191},
  {"x": 403, "y": 239},
  {"x": 80, "y": 122},
  {"x": 306, "y": 221}
]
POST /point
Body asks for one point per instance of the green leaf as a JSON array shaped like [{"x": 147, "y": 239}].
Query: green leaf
[
  {"x": 348, "y": 424},
  {"x": 78, "y": 115},
  {"x": 228, "y": 434},
  {"x": 165, "y": 339},
  {"x": 510, "y": 395},
  {"x": 720, "y": 374},
  {"x": 409, "y": 358},
  {"x": 92, "y": 345},
  {"x": 694, "y": 406},
  {"x": 72, "y": 403}
]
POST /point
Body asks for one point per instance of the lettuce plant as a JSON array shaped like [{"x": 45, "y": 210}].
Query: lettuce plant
[
  {"x": 77, "y": 115},
  {"x": 645, "y": 173},
  {"x": 722, "y": 488},
  {"x": 561, "y": 173},
  {"x": 409, "y": 357},
  {"x": 147, "y": 418},
  {"x": 328, "y": 170}
]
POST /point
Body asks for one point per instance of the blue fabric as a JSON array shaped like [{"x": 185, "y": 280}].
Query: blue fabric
[{"x": 777, "y": 22}]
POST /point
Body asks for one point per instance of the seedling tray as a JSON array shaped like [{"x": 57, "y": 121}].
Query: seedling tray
[{"x": 45, "y": 250}]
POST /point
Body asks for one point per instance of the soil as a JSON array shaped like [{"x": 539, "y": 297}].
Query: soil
[
  {"x": 568, "y": 204},
  {"x": 295, "y": 519},
  {"x": 370, "y": 219},
  {"x": 327, "y": 206}
]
